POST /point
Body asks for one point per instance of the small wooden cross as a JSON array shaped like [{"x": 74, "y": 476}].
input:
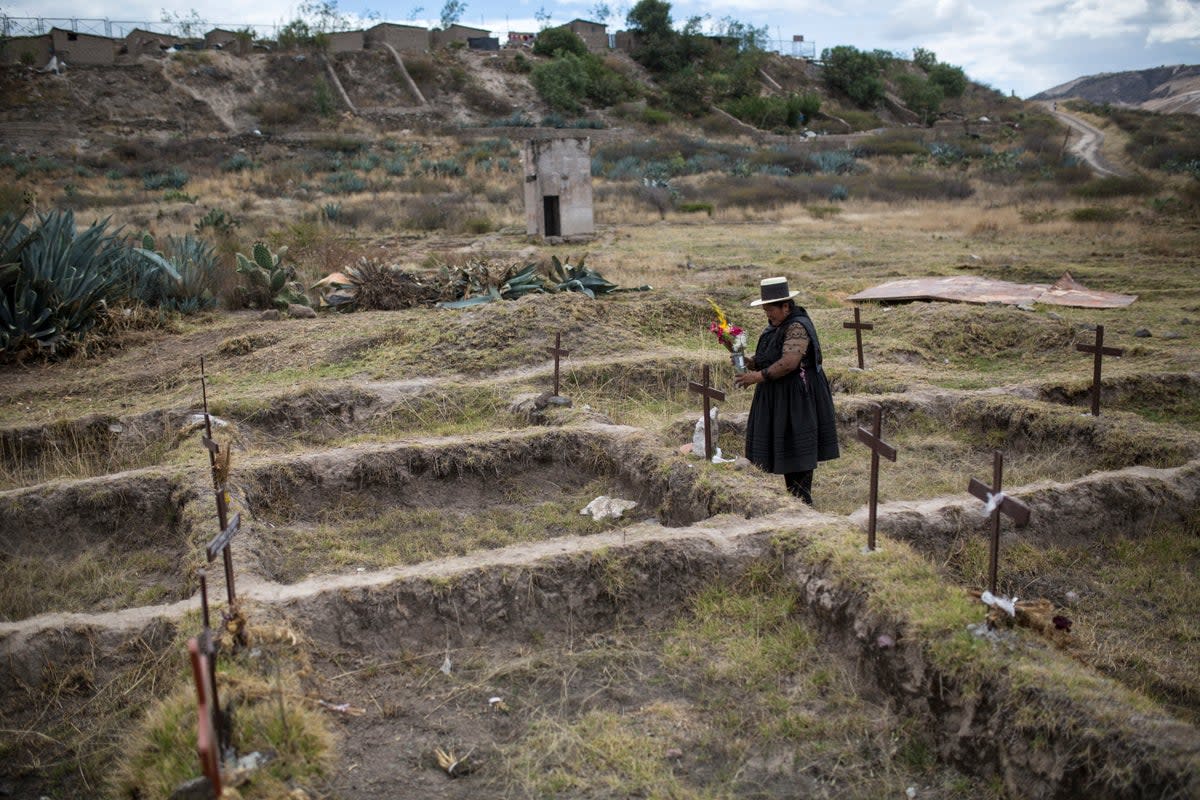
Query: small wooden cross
[
  {"x": 871, "y": 438},
  {"x": 859, "y": 327},
  {"x": 709, "y": 393},
  {"x": 206, "y": 740},
  {"x": 1018, "y": 511},
  {"x": 557, "y": 351},
  {"x": 203, "y": 595},
  {"x": 214, "y": 452},
  {"x": 1100, "y": 351}
]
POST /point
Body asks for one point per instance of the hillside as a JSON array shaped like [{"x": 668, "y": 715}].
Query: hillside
[{"x": 1164, "y": 89}]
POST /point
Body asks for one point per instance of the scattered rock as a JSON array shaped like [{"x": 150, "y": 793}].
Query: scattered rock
[
  {"x": 298, "y": 311},
  {"x": 1054, "y": 316},
  {"x": 884, "y": 642},
  {"x": 1142, "y": 333},
  {"x": 604, "y": 507},
  {"x": 1072, "y": 597},
  {"x": 270, "y": 315},
  {"x": 1172, "y": 335},
  {"x": 674, "y": 752},
  {"x": 1025, "y": 307},
  {"x": 1086, "y": 326}
]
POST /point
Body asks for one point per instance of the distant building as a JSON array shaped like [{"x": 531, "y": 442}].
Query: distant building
[
  {"x": 346, "y": 41},
  {"x": 594, "y": 34},
  {"x": 521, "y": 39},
  {"x": 77, "y": 49},
  {"x": 483, "y": 43},
  {"x": 558, "y": 187},
  {"x": 402, "y": 38},
  {"x": 31, "y": 50},
  {"x": 457, "y": 33},
  {"x": 140, "y": 42}
]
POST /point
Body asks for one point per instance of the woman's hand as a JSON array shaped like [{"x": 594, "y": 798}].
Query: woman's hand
[{"x": 748, "y": 379}]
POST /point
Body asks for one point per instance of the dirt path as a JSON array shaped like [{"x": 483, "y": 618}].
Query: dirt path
[{"x": 1088, "y": 145}]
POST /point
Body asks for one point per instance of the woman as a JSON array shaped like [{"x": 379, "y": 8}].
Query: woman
[{"x": 791, "y": 425}]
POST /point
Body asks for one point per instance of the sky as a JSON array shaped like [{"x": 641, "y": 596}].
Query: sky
[{"x": 1015, "y": 46}]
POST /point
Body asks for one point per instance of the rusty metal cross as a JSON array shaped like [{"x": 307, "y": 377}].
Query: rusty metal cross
[
  {"x": 1100, "y": 351},
  {"x": 998, "y": 503},
  {"x": 709, "y": 393},
  {"x": 871, "y": 438},
  {"x": 206, "y": 740},
  {"x": 859, "y": 326},
  {"x": 228, "y": 529},
  {"x": 557, "y": 352}
]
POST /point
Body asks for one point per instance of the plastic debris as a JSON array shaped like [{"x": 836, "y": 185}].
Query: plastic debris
[{"x": 604, "y": 507}]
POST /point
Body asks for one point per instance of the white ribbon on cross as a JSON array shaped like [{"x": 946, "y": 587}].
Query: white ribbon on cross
[
  {"x": 993, "y": 503},
  {"x": 999, "y": 602}
]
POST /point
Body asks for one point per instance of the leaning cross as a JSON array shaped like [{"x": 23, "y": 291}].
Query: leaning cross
[
  {"x": 206, "y": 743},
  {"x": 228, "y": 529},
  {"x": 859, "y": 326},
  {"x": 1100, "y": 350},
  {"x": 557, "y": 351},
  {"x": 997, "y": 503},
  {"x": 709, "y": 393},
  {"x": 879, "y": 448}
]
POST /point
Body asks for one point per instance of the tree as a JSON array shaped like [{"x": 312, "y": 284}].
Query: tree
[
  {"x": 855, "y": 73},
  {"x": 950, "y": 78},
  {"x": 925, "y": 59},
  {"x": 923, "y": 97},
  {"x": 558, "y": 41},
  {"x": 186, "y": 25},
  {"x": 658, "y": 43},
  {"x": 543, "y": 18},
  {"x": 452, "y": 12},
  {"x": 601, "y": 12}
]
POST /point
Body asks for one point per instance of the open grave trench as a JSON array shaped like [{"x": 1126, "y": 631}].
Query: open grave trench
[{"x": 390, "y": 558}]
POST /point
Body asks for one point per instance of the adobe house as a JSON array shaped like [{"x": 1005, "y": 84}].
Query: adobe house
[
  {"x": 83, "y": 48},
  {"x": 558, "y": 187},
  {"x": 520, "y": 39},
  {"x": 140, "y": 42},
  {"x": 594, "y": 34},
  {"x": 31, "y": 50},
  {"x": 229, "y": 41},
  {"x": 457, "y": 33},
  {"x": 402, "y": 38},
  {"x": 346, "y": 41}
]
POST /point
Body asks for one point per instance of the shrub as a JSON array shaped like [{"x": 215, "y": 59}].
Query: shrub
[
  {"x": 218, "y": 221},
  {"x": 561, "y": 82},
  {"x": 345, "y": 183},
  {"x": 558, "y": 42},
  {"x": 237, "y": 162},
  {"x": 696, "y": 208},
  {"x": 1097, "y": 214},
  {"x": 892, "y": 143},
  {"x": 1116, "y": 186},
  {"x": 834, "y": 162},
  {"x": 515, "y": 120},
  {"x": 174, "y": 178},
  {"x": 196, "y": 264},
  {"x": 855, "y": 73},
  {"x": 271, "y": 281}
]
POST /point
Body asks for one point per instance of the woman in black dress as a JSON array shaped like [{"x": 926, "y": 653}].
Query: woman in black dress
[{"x": 791, "y": 425}]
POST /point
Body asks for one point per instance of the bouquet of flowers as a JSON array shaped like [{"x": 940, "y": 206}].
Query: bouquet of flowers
[
  {"x": 728, "y": 334},
  {"x": 731, "y": 336}
]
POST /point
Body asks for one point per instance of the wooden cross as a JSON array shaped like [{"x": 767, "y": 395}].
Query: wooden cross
[
  {"x": 208, "y": 648},
  {"x": 227, "y": 529},
  {"x": 206, "y": 740},
  {"x": 709, "y": 393},
  {"x": 1018, "y": 511},
  {"x": 1100, "y": 350},
  {"x": 871, "y": 438},
  {"x": 859, "y": 327},
  {"x": 557, "y": 351}
]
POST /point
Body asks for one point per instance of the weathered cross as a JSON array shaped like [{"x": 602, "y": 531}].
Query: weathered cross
[
  {"x": 228, "y": 529},
  {"x": 997, "y": 503},
  {"x": 709, "y": 393},
  {"x": 859, "y": 326},
  {"x": 206, "y": 740},
  {"x": 1100, "y": 351},
  {"x": 208, "y": 648},
  {"x": 557, "y": 352},
  {"x": 871, "y": 438}
]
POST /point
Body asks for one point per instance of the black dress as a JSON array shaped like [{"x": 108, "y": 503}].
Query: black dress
[{"x": 792, "y": 424}]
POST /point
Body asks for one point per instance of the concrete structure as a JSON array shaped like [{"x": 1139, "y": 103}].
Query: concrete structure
[
  {"x": 403, "y": 38},
  {"x": 457, "y": 33},
  {"x": 520, "y": 39},
  {"x": 346, "y": 41},
  {"x": 558, "y": 187},
  {"x": 76, "y": 49},
  {"x": 594, "y": 34},
  {"x": 33, "y": 51},
  {"x": 626, "y": 41},
  {"x": 229, "y": 41}
]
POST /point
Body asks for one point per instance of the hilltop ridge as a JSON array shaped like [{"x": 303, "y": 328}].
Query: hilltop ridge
[{"x": 1168, "y": 90}]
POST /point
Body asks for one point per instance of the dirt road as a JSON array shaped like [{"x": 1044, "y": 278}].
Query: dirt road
[{"x": 1087, "y": 146}]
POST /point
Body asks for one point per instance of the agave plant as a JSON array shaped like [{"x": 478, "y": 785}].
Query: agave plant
[
  {"x": 270, "y": 279},
  {"x": 194, "y": 262},
  {"x": 55, "y": 282}
]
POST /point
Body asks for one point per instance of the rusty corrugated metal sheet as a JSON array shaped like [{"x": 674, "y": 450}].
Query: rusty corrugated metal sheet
[{"x": 971, "y": 289}]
